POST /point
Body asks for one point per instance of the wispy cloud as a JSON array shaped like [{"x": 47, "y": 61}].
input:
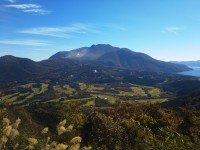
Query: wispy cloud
[
  {"x": 63, "y": 32},
  {"x": 173, "y": 29},
  {"x": 11, "y": 1},
  {"x": 29, "y": 8},
  {"x": 37, "y": 11},
  {"x": 24, "y": 6},
  {"x": 25, "y": 42}
]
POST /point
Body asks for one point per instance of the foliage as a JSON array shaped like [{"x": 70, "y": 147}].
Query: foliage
[
  {"x": 138, "y": 126},
  {"x": 121, "y": 126},
  {"x": 9, "y": 134}
]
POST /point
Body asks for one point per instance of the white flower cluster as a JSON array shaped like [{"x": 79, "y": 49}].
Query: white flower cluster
[
  {"x": 62, "y": 129},
  {"x": 32, "y": 143},
  {"x": 54, "y": 145},
  {"x": 9, "y": 131}
]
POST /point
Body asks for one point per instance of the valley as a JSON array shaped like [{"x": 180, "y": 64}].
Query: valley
[{"x": 88, "y": 94}]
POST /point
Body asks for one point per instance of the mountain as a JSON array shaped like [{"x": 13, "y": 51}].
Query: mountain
[
  {"x": 98, "y": 63},
  {"x": 14, "y": 68},
  {"x": 107, "y": 55},
  {"x": 23, "y": 69},
  {"x": 188, "y": 63},
  {"x": 86, "y": 53}
]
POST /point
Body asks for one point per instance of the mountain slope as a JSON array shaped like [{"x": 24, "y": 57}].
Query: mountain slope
[
  {"x": 14, "y": 68},
  {"x": 107, "y": 55},
  {"x": 86, "y": 53},
  {"x": 191, "y": 100}
]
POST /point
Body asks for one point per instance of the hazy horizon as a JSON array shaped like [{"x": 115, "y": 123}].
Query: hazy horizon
[{"x": 164, "y": 30}]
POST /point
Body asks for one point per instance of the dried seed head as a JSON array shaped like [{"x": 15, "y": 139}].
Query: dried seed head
[
  {"x": 53, "y": 145},
  {"x": 30, "y": 147},
  {"x": 69, "y": 128},
  {"x": 47, "y": 147},
  {"x": 7, "y": 130},
  {"x": 61, "y": 147},
  {"x": 4, "y": 139},
  {"x": 32, "y": 141},
  {"x": 61, "y": 129},
  {"x": 13, "y": 134},
  {"x": 76, "y": 140},
  {"x": 86, "y": 148},
  {"x": 48, "y": 139},
  {"x": 74, "y": 147},
  {"x": 16, "y": 124},
  {"x": 62, "y": 123},
  {"x": 6, "y": 122},
  {"x": 45, "y": 130}
]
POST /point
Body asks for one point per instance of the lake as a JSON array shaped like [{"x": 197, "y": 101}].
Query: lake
[{"x": 195, "y": 72}]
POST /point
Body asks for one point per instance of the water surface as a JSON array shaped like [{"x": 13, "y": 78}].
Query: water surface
[{"x": 195, "y": 72}]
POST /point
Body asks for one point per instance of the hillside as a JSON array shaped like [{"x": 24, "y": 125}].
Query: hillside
[
  {"x": 108, "y": 55},
  {"x": 191, "y": 101},
  {"x": 14, "y": 68}
]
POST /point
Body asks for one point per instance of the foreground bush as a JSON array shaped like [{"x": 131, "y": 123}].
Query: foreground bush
[
  {"x": 119, "y": 127},
  {"x": 10, "y": 133}
]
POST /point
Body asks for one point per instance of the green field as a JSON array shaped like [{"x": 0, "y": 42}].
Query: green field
[{"x": 34, "y": 92}]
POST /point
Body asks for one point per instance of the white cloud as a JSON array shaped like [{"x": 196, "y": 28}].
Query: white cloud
[
  {"x": 48, "y": 31},
  {"x": 37, "y": 11},
  {"x": 64, "y": 32},
  {"x": 11, "y": 1},
  {"x": 173, "y": 29},
  {"x": 29, "y": 8},
  {"x": 23, "y": 6},
  {"x": 24, "y": 42}
]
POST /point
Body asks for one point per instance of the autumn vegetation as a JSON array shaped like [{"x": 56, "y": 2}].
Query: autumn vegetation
[{"x": 122, "y": 126}]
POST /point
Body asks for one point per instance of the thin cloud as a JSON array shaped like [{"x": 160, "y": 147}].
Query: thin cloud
[
  {"x": 37, "y": 11},
  {"x": 11, "y": 1},
  {"x": 23, "y": 6},
  {"x": 29, "y": 8},
  {"x": 25, "y": 42},
  {"x": 63, "y": 32},
  {"x": 173, "y": 29}
]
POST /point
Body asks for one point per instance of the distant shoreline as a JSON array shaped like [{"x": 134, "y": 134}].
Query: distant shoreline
[
  {"x": 194, "y": 67},
  {"x": 195, "y": 72}
]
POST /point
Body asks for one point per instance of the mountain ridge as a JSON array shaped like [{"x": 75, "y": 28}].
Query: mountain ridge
[
  {"x": 119, "y": 57},
  {"x": 17, "y": 68},
  {"x": 105, "y": 57}
]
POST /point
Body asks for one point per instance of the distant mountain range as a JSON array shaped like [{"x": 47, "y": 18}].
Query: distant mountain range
[
  {"x": 188, "y": 63},
  {"x": 108, "y": 55},
  {"x": 82, "y": 62}
]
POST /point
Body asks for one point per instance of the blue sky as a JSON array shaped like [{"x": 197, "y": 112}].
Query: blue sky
[{"x": 36, "y": 29}]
